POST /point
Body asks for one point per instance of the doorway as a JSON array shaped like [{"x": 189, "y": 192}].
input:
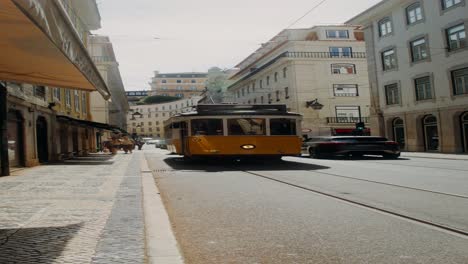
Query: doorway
[
  {"x": 399, "y": 132},
  {"x": 41, "y": 140},
  {"x": 431, "y": 133},
  {"x": 464, "y": 125},
  {"x": 15, "y": 137}
]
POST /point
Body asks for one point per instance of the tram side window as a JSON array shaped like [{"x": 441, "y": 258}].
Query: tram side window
[
  {"x": 207, "y": 127},
  {"x": 282, "y": 127},
  {"x": 246, "y": 126}
]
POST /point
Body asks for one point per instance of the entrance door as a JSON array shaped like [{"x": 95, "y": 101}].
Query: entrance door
[
  {"x": 464, "y": 123},
  {"x": 41, "y": 139},
  {"x": 15, "y": 139},
  {"x": 431, "y": 133},
  {"x": 75, "y": 140},
  {"x": 399, "y": 132}
]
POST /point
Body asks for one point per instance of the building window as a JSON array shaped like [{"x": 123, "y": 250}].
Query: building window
[
  {"x": 261, "y": 83},
  {"x": 389, "y": 61},
  {"x": 385, "y": 27},
  {"x": 237, "y": 95},
  {"x": 179, "y": 81},
  {"x": 150, "y": 123},
  {"x": 193, "y": 88},
  {"x": 248, "y": 89},
  {"x": 248, "y": 102},
  {"x": 179, "y": 88},
  {"x": 277, "y": 96},
  {"x": 179, "y": 95},
  {"x": 253, "y": 87},
  {"x": 286, "y": 93},
  {"x": 269, "y": 98},
  {"x": 276, "y": 77},
  {"x": 268, "y": 80},
  {"x": 392, "y": 94},
  {"x": 84, "y": 105},
  {"x": 419, "y": 50},
  {"x": 243, "y": 92},
  {"x": 414, "y": 13},
  {"x": 194, "y": 81},
  {"x": 342, "y": 34},
  {"x": 343, "y": 90},
  {"x": 57, "y": 94},
  {"x": 449, "y": 3},
  {"x": 340, "y": 52},
  {"x": 261, "y": 100},
  {"x": 164, "y": 88},
  {"x": 255, "y": 101},
  {"x": 456, "y": 37},
  {"x": 163, "y": 81},
  {"x": 39, "y": 91},
  {"x": 423, "y": 88},
  {"x": 348, "y": 114},
  {"x": 343, "y": 69},
  {"x": 460, "y": 81},
  {"x": 285, "y": 72},
  {"x": 77, "y": 101}
]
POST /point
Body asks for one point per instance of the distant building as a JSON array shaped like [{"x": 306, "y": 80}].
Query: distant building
[
  {"x": 148, "y": 120},
  {"x": 319, "y": 72},
  {"x": 135, "y": 96},
  {"x": 418, "y": 71},
  {"x": 183, "y": 85},
  {"x": 114, "y": 111}
]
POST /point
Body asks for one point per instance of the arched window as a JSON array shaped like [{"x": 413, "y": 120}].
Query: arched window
[
  {"x": 399, "y": 131},
  {"x": 431, "y": 133}
]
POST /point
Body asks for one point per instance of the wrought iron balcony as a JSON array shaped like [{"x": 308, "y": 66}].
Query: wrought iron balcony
[
  {"x": 346, "y": 94},
  {"x": 347, "y": 120},
  {"x": 325, "y": 55}
]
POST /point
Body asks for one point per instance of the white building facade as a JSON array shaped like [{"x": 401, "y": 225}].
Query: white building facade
[
  {"x": 148, "y": 120},
  {"x": 418, "y": 71},
  {"x": 319, "y": 72}
]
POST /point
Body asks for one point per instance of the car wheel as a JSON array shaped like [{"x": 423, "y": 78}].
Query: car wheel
[
  {"x": 391, "y": 156},
  {"x": 315, "y": 154}
]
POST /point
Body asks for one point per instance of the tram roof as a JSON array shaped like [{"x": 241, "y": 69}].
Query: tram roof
[{"x": 235, "y": 109}]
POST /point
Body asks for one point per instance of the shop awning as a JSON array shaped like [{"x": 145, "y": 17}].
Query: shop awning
[
  {"x": 39, "y": 45},
  {"x": 92, "y": 124}
]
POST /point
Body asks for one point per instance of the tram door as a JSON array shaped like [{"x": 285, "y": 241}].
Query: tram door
[{"x": 183, "y": 136}]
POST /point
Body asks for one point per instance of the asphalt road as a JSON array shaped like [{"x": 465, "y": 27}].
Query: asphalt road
[{"x": 303, "y": 210}]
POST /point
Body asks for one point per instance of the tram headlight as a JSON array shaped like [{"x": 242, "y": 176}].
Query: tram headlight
[{"x": 248, "y": 146}]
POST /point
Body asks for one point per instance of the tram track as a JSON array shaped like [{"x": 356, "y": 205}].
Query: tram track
[
  {"x": 431, "y": 224},
  {"x": 393, "y": 185},
  {"x": 412, "y": 166}
]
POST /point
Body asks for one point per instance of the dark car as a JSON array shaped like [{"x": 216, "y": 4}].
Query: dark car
[{"x": 356, "y": 146}]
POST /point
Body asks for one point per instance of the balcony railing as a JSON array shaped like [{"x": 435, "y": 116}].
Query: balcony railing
[
  {"x": 98, "y": 59},
  {"x": 347, "y": 120},
  {"x": 325, "y": 55},
  {"x": 346, "y": 94}
]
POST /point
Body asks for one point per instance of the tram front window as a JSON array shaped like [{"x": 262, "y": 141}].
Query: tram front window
[
  {"x": 282, "y": 127},
  {"x": 246, "y": 126},
  {"x": 207, "y": 127}
]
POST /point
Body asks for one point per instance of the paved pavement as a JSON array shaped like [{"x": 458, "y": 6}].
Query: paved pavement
[{"x": 87, "y": 210}]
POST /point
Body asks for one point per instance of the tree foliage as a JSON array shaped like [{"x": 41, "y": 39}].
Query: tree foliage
[{"x": 157, "y": 99}]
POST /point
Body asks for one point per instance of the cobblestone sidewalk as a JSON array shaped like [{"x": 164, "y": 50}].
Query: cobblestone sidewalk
[{"x": 84, "y": 211}]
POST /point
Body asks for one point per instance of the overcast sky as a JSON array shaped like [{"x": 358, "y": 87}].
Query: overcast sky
[{"x": 188, "y": 35}]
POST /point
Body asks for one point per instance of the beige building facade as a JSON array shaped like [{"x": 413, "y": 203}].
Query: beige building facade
[
  {"x": 50, "y": 123},
  {"x": 182, "y": 85},
  {"x": 148, "y": 120},
  {"x": 114, "y": 111},
  {"x": 418, "y": 71},
  {"x": 320, "y": 72}
]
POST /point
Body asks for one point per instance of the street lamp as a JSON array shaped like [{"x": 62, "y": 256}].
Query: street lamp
[{"x": 314, "y": 104}]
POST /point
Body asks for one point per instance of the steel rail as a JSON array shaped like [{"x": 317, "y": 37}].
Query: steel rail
[{"x": 368, "y": 206}]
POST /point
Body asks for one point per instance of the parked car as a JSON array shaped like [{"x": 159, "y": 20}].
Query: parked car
[
  {"x": 152, "y": 142},
  {"x": 321, "y": 147},
  {"x": 161, "y": 144}
]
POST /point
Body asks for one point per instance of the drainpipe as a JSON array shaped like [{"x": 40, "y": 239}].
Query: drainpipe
[{"x": 5, "y": 167}]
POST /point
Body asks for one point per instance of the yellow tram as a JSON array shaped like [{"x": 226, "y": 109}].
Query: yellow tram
[{"x": 227, "y": 130}]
